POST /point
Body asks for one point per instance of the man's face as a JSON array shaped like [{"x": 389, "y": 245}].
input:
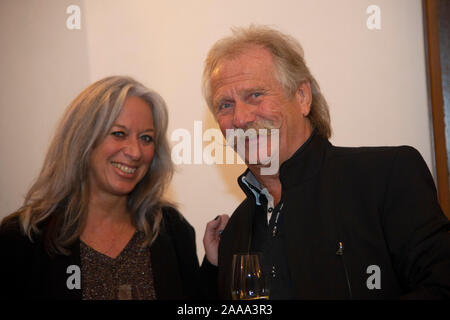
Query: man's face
[{"x": 247, "y": 95}]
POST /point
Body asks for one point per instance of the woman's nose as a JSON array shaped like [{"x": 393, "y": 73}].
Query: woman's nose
[{"x": 132, "y": 149}]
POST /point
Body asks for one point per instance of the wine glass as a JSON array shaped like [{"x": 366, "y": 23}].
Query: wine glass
[{"x": 248, "y": 282}]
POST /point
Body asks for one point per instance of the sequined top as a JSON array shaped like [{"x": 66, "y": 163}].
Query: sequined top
[{"x": 128, "y": 276}]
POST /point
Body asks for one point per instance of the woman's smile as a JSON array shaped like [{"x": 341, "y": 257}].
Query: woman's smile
[{"x": 124, "y": 169}]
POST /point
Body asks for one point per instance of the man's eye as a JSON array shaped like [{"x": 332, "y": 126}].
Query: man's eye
[
  {"x": 147, "y": 139},
  {"x": 256, "y": 94},
  {"x": 224, "y": 105}
]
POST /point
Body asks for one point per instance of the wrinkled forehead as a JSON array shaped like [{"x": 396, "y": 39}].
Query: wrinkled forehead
[
  {"x": 254, "y": 63},
  {"x": 243, "y": 59}
]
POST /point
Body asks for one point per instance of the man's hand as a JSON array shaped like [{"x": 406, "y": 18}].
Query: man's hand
[{"x": 211, "y": 238}]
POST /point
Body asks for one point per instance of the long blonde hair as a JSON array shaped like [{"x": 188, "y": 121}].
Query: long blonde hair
[
  {"x": 290, "y": 65},
  {"x": 61, "y": 191}
]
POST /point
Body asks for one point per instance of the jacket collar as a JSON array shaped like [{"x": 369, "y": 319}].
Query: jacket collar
[
  {"x": 305, "y": 163},
  {"x": 300, "y": 167}
]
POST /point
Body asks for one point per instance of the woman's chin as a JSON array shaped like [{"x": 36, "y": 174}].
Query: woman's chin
[{"x": 122, "y": 189}]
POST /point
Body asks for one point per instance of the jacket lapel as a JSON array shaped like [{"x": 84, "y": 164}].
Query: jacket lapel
[
  {"x": 64, "y": 275},
  {"x": 312, "y": 238},
  {"x": 166, "y": 277},
  {"x": 235, "y": 239}
]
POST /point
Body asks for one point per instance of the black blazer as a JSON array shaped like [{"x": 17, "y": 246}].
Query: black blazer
[
  {"x": 380, "y": 202},
  {"x": 27, "y": 271}
]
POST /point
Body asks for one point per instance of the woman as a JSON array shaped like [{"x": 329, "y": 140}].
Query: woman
[{"x": 94, "y": 225}]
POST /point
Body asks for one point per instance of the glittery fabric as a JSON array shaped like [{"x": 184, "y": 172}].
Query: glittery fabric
[{"x": 128, "y": 276}]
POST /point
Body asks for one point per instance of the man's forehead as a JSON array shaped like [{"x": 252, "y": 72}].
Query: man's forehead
[
  {"x": 235, "y": 84},
  {"x": 251, "y": 65},
  {"x": 245, "y": 61}
]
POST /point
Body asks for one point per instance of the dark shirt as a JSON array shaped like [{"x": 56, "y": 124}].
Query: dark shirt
[
  {"x": 269, "y": 241},
  {"x": 128, "y": 276}
]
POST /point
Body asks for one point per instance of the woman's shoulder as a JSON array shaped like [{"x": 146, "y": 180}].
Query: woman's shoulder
[
  {"x": 12, "y": 236},
  {"x": 174, "y": 220},
  {"x": 10, "y": 227},
  {"x": 172, "y": 215}
]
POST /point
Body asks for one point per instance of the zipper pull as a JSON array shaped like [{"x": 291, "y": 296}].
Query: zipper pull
[
  {"x": 274, "y": 231},
  {"x": 340, "y": 251}
]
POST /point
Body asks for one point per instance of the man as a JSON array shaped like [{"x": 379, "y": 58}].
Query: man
[{"x": 332, "y": 222}]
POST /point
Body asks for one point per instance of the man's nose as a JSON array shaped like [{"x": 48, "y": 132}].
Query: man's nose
[
  {"x": 132, "y": 149},
  {"x": 243, "y": 115}
]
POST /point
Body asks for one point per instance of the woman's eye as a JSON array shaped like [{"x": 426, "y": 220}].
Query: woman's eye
[
  {"x": 147, "y": 139},
  {"x": 118, "y": 134}
]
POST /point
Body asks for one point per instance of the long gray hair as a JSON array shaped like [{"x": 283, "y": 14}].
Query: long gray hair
[
  {"x": 61, "y": 191},
  {"x": 288, "y": 58}
]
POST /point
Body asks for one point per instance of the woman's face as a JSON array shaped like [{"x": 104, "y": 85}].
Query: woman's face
[{"x": 122, "y": 159}]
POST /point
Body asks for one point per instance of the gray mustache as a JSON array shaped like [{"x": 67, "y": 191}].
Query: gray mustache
[{"x": 251, "y": 133}]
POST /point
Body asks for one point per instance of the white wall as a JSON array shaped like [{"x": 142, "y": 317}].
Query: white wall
[
  {"x": 43, "y": 66},
  {"x": 374, "y": 80}
]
